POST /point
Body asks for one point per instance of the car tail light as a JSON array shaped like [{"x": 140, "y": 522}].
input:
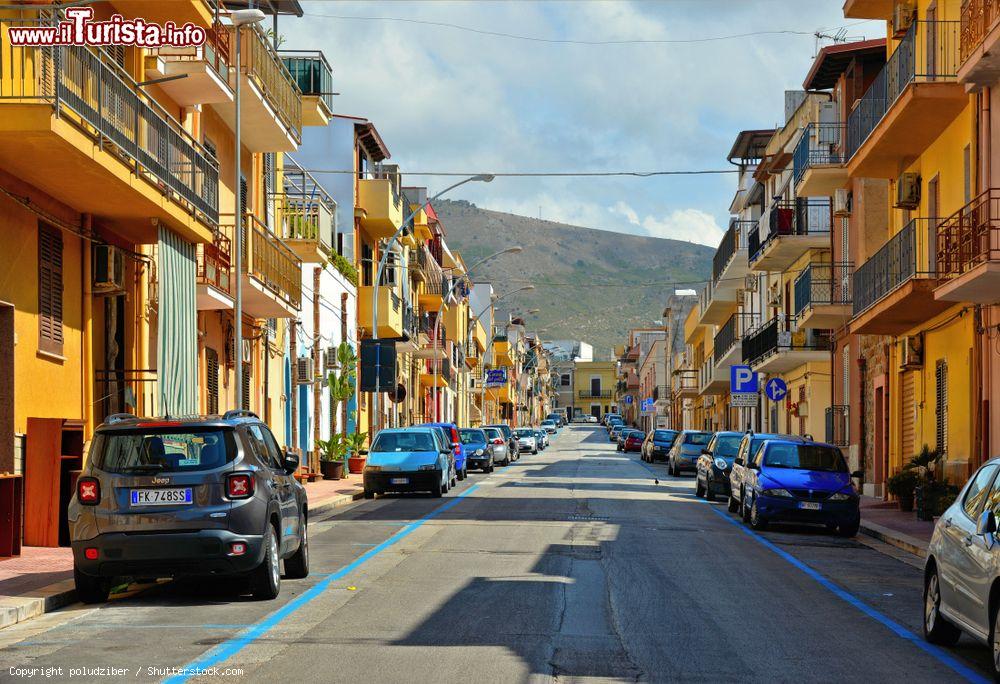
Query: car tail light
[
  {"x": 90, "y": 553},
  {"x": 88, "y": 491},
  {"x": 237, "y": 548},
  {"x": 497, "y": 441},
  {"x": 240, "y": 486}
]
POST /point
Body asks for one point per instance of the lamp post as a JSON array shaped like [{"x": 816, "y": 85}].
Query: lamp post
[
  {"x": 493, "y": 301},
  {"x": 240, "y": 18},
  {"x": 437, "y": 319},
  {"x": 482, "y": 178}
]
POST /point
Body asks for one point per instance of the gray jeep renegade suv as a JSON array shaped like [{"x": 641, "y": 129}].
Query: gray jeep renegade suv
[{"x": 169, "y": 497}]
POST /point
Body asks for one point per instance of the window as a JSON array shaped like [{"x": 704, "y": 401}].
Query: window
[
  {"x": 941, "y": 401},
  {"x": 404, "y": 441},
  {"x": 211, "y": 381},
  {"x": 170, "y": 451},
  {"x": 50, "y": 289},
  {"x": 564, "y": 380},
  {"x": 804, "y": 457},
  {"x": 265, "y": 446},
  {"x": 977, "y": 490}
]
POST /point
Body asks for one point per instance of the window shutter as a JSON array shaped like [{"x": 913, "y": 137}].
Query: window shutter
[
  {"x": 941, "y": 396},
  {"x": 268, "y": 187},
  {"x": 246, "y": 386},
  {"x": 50, "y": 289},
  {"x": 212, "y": 381},
  {"x": 845, "y": 370}
]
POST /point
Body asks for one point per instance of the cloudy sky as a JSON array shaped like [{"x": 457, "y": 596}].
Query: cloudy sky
[{"x": 463, "y": 100}]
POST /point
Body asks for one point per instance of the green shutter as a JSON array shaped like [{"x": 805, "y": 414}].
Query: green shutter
[{"x": 177, "y": 333}]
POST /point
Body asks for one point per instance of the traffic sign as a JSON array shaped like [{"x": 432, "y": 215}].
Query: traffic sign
[
  {"x": 776, "y": 389},
  {"x": 742, "y": 379},
  {"x": 496, "y": 377},
  {"x": 628, "y": 398},
  {"x": 744, "y": 399}
]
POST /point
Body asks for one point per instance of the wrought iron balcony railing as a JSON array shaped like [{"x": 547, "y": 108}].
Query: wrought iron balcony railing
[
  {"x": 262, "y": 65},
  {"x": 214, "y": 261},
  {"x": 821, "y": 144},
  {"x": 978, "y": 16},
  {"x": 270, "y": 261},
  {"x": 776, "y": 336},
  {"x": 734, "y": 240},
  {"x": 732, "y": 332},
  {"x": 928, "y": 53},
  {"x": 896, "y": 262},
  {"x": 970, "y": 236},
  {"x": 594, "y": 394},
  {"x": 823, "y": 284},
  {"x": 685, "y": 380},
  {"x": 801, "y": 216}
]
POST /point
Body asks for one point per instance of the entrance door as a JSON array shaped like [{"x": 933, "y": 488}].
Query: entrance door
[
  {"x": 595, "y": 409},
  {"x": 6, "y": 388},
  {"x": 881, "y": 439}
]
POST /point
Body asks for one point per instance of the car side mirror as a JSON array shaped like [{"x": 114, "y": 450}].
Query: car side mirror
[
  {"x": 706, "y": 452},
  {"x": 738, "y": 460},
  {"x": 987, "y": 524},
  {"x": 858, "y": 474},
  {"x": 290, "y": 462}
]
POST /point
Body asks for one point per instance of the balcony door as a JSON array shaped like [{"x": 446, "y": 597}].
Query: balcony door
[{"x": 595, "y": 387}]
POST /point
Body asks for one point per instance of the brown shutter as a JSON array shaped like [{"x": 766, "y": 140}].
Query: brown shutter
[
  {"x": 246, "y": 386},
  {"x": 212, "y": 381},
  {"x": 909, "y": 420},
  {"x": 941, "y": 395},
  {"x": 50, "y": 289}
]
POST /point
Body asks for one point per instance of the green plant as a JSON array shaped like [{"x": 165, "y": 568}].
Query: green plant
[
  {"x": 904, "y": 482},
  {"x": 346, "y": 268},
  {"x": 356, "y": 442},
  {"x": 333, "y": 449},
  {"x": 342, "y": 386},
  {"x": 925, "y": 461}
]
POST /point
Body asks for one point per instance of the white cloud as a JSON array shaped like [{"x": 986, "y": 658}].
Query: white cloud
[{"x": 691, "y": 225}]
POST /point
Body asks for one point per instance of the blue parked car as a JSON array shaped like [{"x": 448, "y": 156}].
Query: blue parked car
[
  {"x": 409, "y": 460},
  {"x": 801, "y": 482},
  {"x": 451, "y": 431},
  {"x": 479, "y": 452}
]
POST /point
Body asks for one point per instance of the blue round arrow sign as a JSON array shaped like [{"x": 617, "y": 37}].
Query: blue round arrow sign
[{"x": 776, "y": 389}]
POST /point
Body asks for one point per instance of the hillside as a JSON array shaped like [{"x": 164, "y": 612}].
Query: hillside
[{"x": 589, "y": 283}]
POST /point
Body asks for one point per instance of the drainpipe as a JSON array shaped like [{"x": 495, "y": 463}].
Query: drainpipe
[
  {"x": 88, "y": 330},
  {"x": 317, "y": 369},
  {"x": 293, "y": 390}
]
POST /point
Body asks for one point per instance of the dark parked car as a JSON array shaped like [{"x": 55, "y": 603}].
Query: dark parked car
[
  {"x": 558, "y": 418},
  {"x": 715, "y": 465},
  {"x": 452, "y": 436},
  {"x": 749, "y": 446},
  {"x": 657, "y": 445},
  {"x": 508, "y": 434},
  {"x": 478, "y": 450},
  {"x": 686, "y": 450},
  {"x": 801, "y": 482},
  {"x": 220, "y": 489}
]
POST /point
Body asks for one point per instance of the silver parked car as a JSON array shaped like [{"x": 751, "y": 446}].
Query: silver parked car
[
  {"x": 197, "y": 496},
  {"x": 962, "y": 571},
  {"x": 501, "y": 450}
]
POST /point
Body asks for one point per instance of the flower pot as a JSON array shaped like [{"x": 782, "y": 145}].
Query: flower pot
[
  {"x": 906, "y": 502},
  {"x": 332, "y": 470},
  {"x": 356, "y": 464}
]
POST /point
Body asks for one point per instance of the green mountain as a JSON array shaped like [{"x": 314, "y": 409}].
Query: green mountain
[{"x": 591, "y": 285}]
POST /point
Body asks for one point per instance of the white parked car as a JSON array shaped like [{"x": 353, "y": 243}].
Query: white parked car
[
  {"x": 962, "y": 571},
  {"x": 591, "y": 419},
  {"x": 526, "y": 440}
]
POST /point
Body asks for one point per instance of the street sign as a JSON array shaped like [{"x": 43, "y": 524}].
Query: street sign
[
  {"x": 743, "y": 380},
  {"x": 743, "y": 399},
  {"x": 647, "y": 405},
  {"x": 496, "y": 377},
  {"x": 776, "y": 389},
  {"x": 628, "y": 398}
]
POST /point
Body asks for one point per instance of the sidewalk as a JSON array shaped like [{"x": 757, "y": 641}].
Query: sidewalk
[
  {"x": 886, "y": 522},
  {"x": 40, "y": 580}
]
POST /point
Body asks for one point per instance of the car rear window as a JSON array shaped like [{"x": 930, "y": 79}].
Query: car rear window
[
  {"x": 472, "y": 436},
  {"x": 525, "y": 432},
  {"x": 504, "y": 429},
  {"x": 179, "y": 450},
  {"x": 699, "y": 438},
  {"x": 727, "y": 445},
  {"x": 493, "y": 433},
  {"x": 403, "y": 441},
  {"x": 805, "y": 457},
  {"x": 664, "y": 436}
]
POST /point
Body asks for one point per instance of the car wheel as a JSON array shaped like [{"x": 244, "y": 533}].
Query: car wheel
[
  {"x": 995, "y": 641},
  {"x": 265, "y": 579},
  {"x": 90, "y": 589},
  {"x": 440, "y": 488},
  {"x": 757, "y": 521},
  {"x": 937, "y": 629},
  {"x": 849, "y": 529},
  {"x": 461, "y": 474},
  {"x": 369, "y": 494},
  {"x": 732, "y": 504},
  {"x": 744, "y": 509},
  {"x": 297, "y": 565},
  {"x": 697, "y": 486},
  {"x": 709, "y": 492}
]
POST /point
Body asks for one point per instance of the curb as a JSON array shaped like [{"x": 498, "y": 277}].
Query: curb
[
  {"x": 917, "y": 547},
  {"x": 16, "y": 609}
]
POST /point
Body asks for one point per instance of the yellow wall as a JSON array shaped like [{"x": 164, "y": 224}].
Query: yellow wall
[{"x": 583, "y": 372}]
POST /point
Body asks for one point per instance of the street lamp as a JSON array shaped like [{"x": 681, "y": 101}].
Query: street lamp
[
  {"x": 493, "y": 301},
  {"x": 239, "y": 18},
  {"x": 517, "y": 249},
  {"x": 481, "y": 178}
]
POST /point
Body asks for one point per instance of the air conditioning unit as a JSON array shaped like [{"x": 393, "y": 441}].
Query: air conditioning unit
[
  {"x": 784, "y": 338},
  {"x": 913, "y": 351},
  {"x": 109, "y": 270},
  {"x": 304, "y": 370},
  {"x": 908, "y": 191},
  {"x": 903, "y": 17},
  {"x": 330, "y": 362},
  {"x": 750, "y": 282},
  {"x": 774, "y": 295},
  {"x": 841, "y": 203}
]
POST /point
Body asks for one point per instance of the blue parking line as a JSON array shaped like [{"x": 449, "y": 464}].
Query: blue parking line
[
  {"x": 231, "y": 647},
  {"x": 939, "y": 654}
]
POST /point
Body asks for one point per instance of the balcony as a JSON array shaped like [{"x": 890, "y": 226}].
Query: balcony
[
  {"x": 271, "y": 102},
  {"x": 502, "y": 353},
  {"x": 214, "y": 279},
  {"x": 314, "y": 77},
  {"x": 661, "y": 394},
  {"x": 685, "y": 383},
  {"x": 818, "y": 162},
  {"x": 968, "y": 252},
  {"x": 381, "y": 206},
  {"x": 200, "y": 73},
  {"x": 390, "y": 310},
  {"x": 729, "y": 264},
  {"x": 823, "y": 295},
  {"x": 433, "y": 341},
  {"x": 838, "y": 425},
  {"x": 129, "y": 390},
  {"x": 868, "y": 9},
  {"x": 712, "y": 378},
  {"x": 594, "y": 394},
  {"x": 432, "y": 292},
  {"x": 272, "y": 274},
  {"x": 777, "y": 347},
  {"x": 307, "y": 215},
  {"x": 728, "y": 343},
  {"x": 894, "y": 289},
  {"x": 72, "y": 114},
  {"x": 979, "y": 46},
  {"x": 793, "y": 227},
  {"x": 716, "y": 304},
  {"x": 909, "y": 104},
  {"x": 410, "y": 341},
  {"x": 436, "y": 373}
]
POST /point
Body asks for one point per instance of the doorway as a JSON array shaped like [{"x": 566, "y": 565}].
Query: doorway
[
  {"x": 595, "y": 410},
  {"x": 595, "y": 387},
  {"x": 6, "y": 387}
]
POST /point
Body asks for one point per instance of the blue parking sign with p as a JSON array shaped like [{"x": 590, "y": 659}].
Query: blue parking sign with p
[{"x": 742, "y": 379}]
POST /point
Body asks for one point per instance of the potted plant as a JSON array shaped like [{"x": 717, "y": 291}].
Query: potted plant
[
  {"x": 930, "y": 490},
  {"x": 333, "y": 451},
  {"x": 331, "y": 457},
  {"x": 902, "y": 484},
  {"x": 355, "y": 443}
]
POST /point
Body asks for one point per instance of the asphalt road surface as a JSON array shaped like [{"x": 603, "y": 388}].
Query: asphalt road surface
[{"x": 571, "y": 564}]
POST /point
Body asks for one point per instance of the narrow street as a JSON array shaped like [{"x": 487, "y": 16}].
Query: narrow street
[{"x": 567, "y": 564}]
